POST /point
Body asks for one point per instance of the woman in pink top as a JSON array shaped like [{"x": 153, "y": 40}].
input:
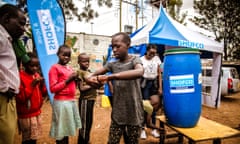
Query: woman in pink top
[{"x": 65, "y": 118}]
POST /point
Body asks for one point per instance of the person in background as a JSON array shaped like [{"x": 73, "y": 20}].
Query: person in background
[
  {"x": 127, "y": 108},
  {"x": 12, "y": 22},
  {"x": 21, "y": 53},
  {"x": 108, "y": 90},
  {"x": 151, "y": 82},
  {"x": 108, "y": 87},
  {"x": 86, "y": 100},
  {"x": 30, "y": 100},
  {"x": 150, "y": 106},
  {"x": 65, "y": 115}
]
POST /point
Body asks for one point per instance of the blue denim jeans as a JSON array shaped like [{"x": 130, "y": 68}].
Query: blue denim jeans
[{"x": 149, "y": 89}]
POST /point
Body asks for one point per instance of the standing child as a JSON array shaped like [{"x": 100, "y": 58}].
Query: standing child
[
  {"x": 29, "y": 101},
  {"x": 127, "y": 108},
  {"x": 86, "y": 101},
  {"x": 65, "y": 117}
]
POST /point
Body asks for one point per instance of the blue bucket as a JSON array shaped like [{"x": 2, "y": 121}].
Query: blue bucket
[{"x": 182, "y": 87}]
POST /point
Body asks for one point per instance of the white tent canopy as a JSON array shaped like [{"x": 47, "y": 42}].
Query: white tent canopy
[{"x": 164, "y": 30}]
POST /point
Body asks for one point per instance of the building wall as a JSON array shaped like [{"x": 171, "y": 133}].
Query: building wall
[{"x": 94, "y": 45}]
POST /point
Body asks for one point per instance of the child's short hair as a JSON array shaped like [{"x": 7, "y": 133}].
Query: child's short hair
[
  {"x": 126, "y": 38},
  {"x": 62, "y": 47},
  {"x": 31, "y": 55},
  {"x": 81, "y": 54}
]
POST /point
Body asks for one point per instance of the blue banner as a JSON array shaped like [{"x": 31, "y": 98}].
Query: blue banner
[{"x": 48, "y": 28}]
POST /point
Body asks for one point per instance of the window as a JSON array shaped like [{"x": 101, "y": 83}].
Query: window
[{"x": 207, "y": 72}]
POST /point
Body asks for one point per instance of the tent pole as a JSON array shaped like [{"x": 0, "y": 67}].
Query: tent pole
[
  {"x": 120, "y": 15},
  {"x": 137, "y": 9}
]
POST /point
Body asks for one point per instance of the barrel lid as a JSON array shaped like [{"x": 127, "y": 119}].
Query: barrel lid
[{"x": 181, "y": 50}]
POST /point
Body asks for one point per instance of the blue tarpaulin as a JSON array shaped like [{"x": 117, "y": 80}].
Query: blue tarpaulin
[{"x": 164, "y": 30}]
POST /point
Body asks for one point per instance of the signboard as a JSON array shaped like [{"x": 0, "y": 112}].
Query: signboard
[{"x": 48, "y": 28}]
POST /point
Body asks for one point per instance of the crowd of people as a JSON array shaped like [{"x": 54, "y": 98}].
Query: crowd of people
[{"x": 135, "y": 89}]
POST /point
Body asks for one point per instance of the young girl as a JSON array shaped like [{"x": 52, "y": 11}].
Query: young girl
[
  {"x": 152, "y": 78},
  {"x": 65, "y": 117},
  {"x": 127, "y": 108},
  {"x": 30, "y": 100}
]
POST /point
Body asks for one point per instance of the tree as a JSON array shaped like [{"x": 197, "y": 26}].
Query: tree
[
  {"x": 173, "y": 8},
  {"x": 71, "y": 10},
  {"x": 222, "y": 18}
]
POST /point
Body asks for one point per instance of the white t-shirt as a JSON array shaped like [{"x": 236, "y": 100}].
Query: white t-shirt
[{"x": 151, "y": 67}]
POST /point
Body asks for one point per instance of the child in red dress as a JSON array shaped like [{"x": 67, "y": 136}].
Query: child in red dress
[{"x": 29, "y": 101}]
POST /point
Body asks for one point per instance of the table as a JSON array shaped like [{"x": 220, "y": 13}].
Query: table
[{"x": 204, "y": 130}]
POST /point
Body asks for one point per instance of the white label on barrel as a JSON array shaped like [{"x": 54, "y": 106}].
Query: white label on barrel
[{"x": 182, "y": 84}]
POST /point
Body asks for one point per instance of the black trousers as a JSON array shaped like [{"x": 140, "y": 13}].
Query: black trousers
[
  {"x": 63, "y": 141},
  {"x": 86, "y": 108},
  {"x": 29, "y": 142}
]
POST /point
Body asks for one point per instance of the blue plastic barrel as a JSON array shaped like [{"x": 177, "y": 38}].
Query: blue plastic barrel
[{"x": 182, "y": 87}]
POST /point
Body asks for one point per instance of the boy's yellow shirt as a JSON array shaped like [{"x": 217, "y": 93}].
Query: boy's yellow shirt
[
  {"x": 89, "y": 94},
  {"x": 147, "y": 107}
]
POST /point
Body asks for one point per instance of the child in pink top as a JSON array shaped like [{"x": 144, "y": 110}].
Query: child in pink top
[{"x": 65, "y": 118}]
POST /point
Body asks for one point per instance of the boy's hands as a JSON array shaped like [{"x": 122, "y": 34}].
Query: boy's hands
[
  {"x": 102, "y": 79},
  {"x": 96, "y": 81}
]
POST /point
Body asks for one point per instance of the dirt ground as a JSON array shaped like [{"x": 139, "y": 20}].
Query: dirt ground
[{"x": 228, "y": 114}]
